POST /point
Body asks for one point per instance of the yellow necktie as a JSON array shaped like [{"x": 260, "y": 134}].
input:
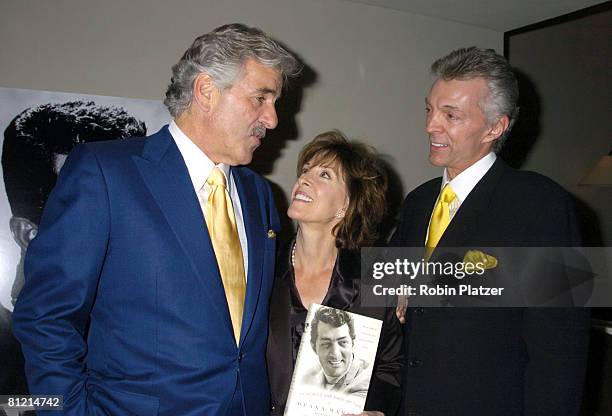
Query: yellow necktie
[
  {"x": 439, "y": 219},
  {"x": 223, "y": 232}
]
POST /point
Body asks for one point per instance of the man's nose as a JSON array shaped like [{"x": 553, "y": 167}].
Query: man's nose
[
  {"x": 334, "y": 351},
  {"x": 269, "y": 117},
  {"x": 432, "y": 124}
]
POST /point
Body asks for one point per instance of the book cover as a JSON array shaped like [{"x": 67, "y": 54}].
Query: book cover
[{"x": 334, "y": 363}]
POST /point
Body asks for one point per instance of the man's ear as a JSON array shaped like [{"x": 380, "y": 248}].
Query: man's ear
[
  {"x": 204, "y": 91},
  {"x": 497, "y": 129},
  {"x": 23, "y": 231}
]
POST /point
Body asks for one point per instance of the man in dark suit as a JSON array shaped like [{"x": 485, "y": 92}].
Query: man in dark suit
[
  {"x": 471, "y": 361},
  {"x": 147, "y": 286}
]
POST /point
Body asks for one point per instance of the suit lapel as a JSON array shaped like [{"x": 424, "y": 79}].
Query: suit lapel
[
  {"x": 165, "y": 174},
  {"x": 465, "y": 222},
  {"x": 256, "y": 237},
  {"x": 422, "y": 214},
  {"x": 418, "y": 207}
]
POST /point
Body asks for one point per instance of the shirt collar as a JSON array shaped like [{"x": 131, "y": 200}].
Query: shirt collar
[
  {"x": 198, "y": 164},
  {"x": 463, "y": 183}
]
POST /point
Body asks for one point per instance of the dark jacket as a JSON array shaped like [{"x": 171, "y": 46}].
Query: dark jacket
[{"x": 503, "y": 362}]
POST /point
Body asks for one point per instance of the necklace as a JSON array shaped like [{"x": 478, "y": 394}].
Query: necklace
[{"x": 293, "y": 256}]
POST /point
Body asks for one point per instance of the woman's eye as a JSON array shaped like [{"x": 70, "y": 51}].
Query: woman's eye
[{"x": 325, "y": 174}]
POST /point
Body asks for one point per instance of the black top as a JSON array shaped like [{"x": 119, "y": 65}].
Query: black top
[
  {"x": 287, "y": 318},
  {"x": 341, "y": 294}
]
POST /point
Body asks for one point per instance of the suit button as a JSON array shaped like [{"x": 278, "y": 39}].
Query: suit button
[
  {"x": 415, "y": 363},
  {"x": 240, "y": 357},
  {"x": 419, "y": 311}
]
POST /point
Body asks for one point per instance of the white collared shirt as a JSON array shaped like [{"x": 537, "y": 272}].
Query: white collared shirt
[
  {"x": 200, "y": 166},
  {"x": 463, "y": 183}
]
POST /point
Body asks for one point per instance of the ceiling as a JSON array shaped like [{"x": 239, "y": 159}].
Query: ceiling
[{"x": 499, "y": 15}]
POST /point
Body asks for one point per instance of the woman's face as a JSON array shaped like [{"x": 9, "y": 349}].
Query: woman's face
[{"x": 319, "y": 195}]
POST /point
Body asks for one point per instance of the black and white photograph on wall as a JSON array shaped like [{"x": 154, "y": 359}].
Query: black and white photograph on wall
[
  {"x": 334, "y": 363},
  {"x": 39, "y": 129}
]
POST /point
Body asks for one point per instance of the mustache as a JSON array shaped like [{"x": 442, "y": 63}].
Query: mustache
[{"x": 259, "y": 131}]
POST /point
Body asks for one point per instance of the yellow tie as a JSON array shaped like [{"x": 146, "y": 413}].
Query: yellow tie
[
  {"x": 223, "y": 232},
  {"x": 439, "y": 219}
]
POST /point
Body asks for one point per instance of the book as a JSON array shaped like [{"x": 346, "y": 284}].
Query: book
[{"x": 334, "y": 363}]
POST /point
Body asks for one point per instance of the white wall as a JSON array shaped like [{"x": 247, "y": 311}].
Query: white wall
[{"x": 371, "y": 63}]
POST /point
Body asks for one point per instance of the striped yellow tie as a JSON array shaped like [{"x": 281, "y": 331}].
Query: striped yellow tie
[
  {"x": 223, "y": 232},
  {"x": 439, "y": 219}
]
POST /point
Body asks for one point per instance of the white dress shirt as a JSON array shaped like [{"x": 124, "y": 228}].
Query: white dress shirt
[
  {"x": 463, "y": 183},
  {"x": 200, "y": 166}
]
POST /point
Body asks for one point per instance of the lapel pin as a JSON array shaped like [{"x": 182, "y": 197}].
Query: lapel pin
[{"x": 271, "y": 234}]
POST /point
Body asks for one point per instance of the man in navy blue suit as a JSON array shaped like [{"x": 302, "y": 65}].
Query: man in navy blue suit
[{"x": 125, "y": 308}]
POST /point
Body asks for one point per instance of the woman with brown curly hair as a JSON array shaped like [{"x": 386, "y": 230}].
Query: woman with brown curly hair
[{"x": 338, "y": 202}]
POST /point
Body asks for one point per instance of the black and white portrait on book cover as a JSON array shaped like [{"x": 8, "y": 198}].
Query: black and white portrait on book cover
[{"x": 334, "y": 363}]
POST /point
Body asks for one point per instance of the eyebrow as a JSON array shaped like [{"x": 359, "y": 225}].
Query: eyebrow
[
  {"x": 447, "y": 106},
  {"x": 334, "y": 339},
  {"x": 328, "y": 166},
  {"x": 266, "y": 91},
  {"x": 335, "y": 169},
  {"x": 451, "y": 107}
]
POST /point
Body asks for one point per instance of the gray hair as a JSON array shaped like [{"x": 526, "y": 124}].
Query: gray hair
[
  {"x": 470, "y": 63},
  {"x": 222, "y": 54}
]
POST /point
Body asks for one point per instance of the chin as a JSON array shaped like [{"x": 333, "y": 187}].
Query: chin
[
  {"x": 293, "y": 215},
  {"x": 336, "y": 372},
  {"x": 244, "y": 160},
  {"x": 436, "y": 162}
]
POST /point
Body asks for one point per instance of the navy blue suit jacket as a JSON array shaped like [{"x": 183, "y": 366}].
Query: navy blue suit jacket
[{"x": 123, "y": 310}]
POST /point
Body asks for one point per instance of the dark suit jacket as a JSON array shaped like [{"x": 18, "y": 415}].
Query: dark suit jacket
[
  {"x": 123, "y": 311},
  {"x": 384, "y": 392},
  {"x": 514, "y": 361}
]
